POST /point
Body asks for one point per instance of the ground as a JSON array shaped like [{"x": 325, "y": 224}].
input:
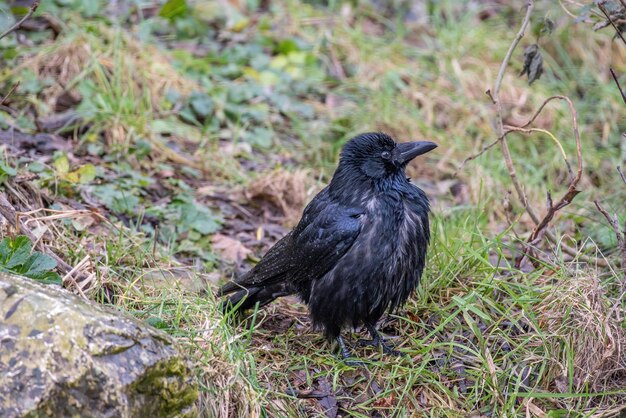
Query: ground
[{"x": 160, "y": 148}]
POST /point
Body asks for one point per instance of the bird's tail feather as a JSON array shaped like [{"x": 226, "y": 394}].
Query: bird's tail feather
[{"x": 246, "y": 299}]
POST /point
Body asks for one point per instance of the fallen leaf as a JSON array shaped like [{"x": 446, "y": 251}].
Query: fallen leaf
[
  {"x": 229, "y": 248},
  {"x": 386, "y": 402}
]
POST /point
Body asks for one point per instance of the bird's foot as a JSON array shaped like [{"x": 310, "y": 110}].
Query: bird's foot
[
  {"x": 379, "y": 342},
  {"x": 347, "y": 357}
]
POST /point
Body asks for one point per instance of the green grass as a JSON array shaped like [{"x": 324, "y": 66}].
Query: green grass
[{"x": 179, "y": 137}]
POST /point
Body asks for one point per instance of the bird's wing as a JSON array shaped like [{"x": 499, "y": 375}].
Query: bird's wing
[{"x": 325, "y": 233}]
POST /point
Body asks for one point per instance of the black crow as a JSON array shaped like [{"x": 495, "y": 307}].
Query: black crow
[{"x": 359, "y": 249}]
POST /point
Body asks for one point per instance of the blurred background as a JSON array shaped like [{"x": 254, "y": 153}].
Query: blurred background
[{"x": 186, "y": 136}]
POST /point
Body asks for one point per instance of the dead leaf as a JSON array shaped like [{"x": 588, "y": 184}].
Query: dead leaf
[
  {"x": 533, "y": 410},
  {"x": 533, "y": 63},
  {"x": 230, "y": 249},
  {"x": 386, "y": 402},
  {"x": 329, "y": 403}
]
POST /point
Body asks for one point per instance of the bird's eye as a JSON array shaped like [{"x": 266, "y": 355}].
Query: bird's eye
[{"x": 386, "y": 155}]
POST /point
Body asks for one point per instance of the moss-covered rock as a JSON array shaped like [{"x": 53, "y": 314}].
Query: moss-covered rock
[{"x": 63, "y": 356}]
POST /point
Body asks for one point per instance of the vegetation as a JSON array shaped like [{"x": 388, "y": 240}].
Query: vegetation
[{"x": 159, "y": 148}]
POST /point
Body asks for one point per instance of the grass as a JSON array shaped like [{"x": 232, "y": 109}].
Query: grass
[{"x": 189, "y": 121}]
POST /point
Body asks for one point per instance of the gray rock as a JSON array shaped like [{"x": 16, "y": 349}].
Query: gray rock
[{"x": 63, "y": 356}]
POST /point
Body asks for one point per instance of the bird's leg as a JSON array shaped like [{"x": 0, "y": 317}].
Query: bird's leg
[
  {"x": 345, "y": 354},
  {"x": 377, "y": 341}
]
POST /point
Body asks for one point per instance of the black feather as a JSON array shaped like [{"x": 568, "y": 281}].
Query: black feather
[{"x": 359, "y": 249}]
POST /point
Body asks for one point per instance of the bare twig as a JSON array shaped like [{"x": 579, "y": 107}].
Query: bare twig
[
  {"x": 619, "y": 87},
  {"x": 307, "y": 394},
  {"x": 601, "y": 7},
  {"x": 6, "y": 97},
  {"x": 565, "y": 248},
  {"x": 620, "y": 234},
  {"x": 619, "y": 170},
  {"x": 15, "y": 27},
  {"x": 571, "y": 190},
  {"x": 10, "y": 214},
  {"x": 495, "y": 97}
]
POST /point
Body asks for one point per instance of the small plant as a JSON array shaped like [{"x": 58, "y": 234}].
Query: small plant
[{"x": 17, "y": 256}]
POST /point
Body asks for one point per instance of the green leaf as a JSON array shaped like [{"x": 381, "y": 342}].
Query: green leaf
[
  {"x": 16, "y": 257},
  {"x": 5, "y": 250},
  {"x": 19, "y": 251},
  {"x": 36, "y": 167},
  {"x": 86, "y": 173},
  {"x": 260, "y": 137},
  {"x": 199, "y": 218},
  {"x": 173, "y": 126},
  {"x": 29, "y": 82},
  {"x": 62, "y": 165},
  {"x": 6, "y": 169},
  {"x": 6, "y": 16},
  {"x": 38, "y": 264},
  {"x": 119, "y": 201},
  {"x": 173, "y": 9},
  {"x": 201, "y": 104},
  {"x": 286, "y": 46},
  {"x": 49, "y": 278},
  {"x": 90, "y": 8},
  {"x": 157, "y": 322}
]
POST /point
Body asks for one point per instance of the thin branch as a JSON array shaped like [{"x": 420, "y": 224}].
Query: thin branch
[
  {"x": 521, "y": 129},
  {"x": 618, "y": 85},
  {"x": 571, "y": 192},
  {"x": 15, "y": 27},
  {"x": 500, "y": 131},
  {"x": 481, "y": 152},
  {"x": 619, "y": 234},
  {"x": 567, "y": 197},
  {"x": 10, "y": 214},
  {"x": 495, "y": 97},
  {"x": 619, "y": 170},
  {"x": 6, "y": 97},
  {"x": 496, "y": 90},
  {"x": 546, "y": 132},
  {"x": 601, "y": 7}
]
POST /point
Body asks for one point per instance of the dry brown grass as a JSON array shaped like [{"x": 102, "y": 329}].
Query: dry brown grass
[
  {"x": 584, "y": 329},
  {"x": 76, "y": 55},
  {"x": 228, "y": 392},
  {"x": 286, "y": 191}
]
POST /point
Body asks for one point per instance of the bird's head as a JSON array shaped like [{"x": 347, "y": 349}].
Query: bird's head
[{"x": 377, "y": 155}]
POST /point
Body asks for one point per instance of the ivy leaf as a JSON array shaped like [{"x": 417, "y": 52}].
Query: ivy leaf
[{"x": 533, "y": 63}]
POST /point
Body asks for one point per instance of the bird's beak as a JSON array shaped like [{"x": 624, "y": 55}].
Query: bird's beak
[{"x": 409, "y": 150}]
